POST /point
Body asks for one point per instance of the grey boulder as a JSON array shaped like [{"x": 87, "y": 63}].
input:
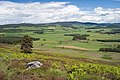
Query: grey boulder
[{"x": 34, "y": 64}]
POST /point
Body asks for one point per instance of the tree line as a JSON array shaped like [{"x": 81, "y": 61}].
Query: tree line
[
  {"x": 117, "y": 40},
  {"x": 117, "y": 49},
  {"x": 13, "y": 39}
]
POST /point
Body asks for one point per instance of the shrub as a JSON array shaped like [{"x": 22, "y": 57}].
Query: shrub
[{"x": 107, "y": 57}]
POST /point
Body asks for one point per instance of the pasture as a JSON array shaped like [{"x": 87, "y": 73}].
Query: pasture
[{"x": 50, "y": 40}]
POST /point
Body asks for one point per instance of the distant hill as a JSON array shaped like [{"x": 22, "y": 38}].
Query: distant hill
[
  {"x": 65, "y": 24},
  {"x": 74, "y": 22},
  {"x": 86, "y": 24}
]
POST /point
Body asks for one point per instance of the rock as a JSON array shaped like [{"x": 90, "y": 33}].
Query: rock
[{"x": 34, "y": 64}]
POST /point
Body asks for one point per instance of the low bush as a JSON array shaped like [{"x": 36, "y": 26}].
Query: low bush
[{"x": 107, "y": 57}]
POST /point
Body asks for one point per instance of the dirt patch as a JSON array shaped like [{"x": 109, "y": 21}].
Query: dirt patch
[
  {"x": 51, "y": 77},
  {"x": 6, "y": 46},
  {"x": 27, "y": 76},
  {"x": 72, "y": 47},
  {"x": 2, "y": 75}
]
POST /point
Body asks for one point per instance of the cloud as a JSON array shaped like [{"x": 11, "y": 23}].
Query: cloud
[
  {"x": 36, "y": 12},
  {"x": 117, "y": 0}
]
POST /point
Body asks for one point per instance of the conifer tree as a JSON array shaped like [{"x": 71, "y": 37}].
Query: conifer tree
[{"x": 26, "y": 44}]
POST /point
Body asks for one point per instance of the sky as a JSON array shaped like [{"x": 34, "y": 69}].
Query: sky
[{"x": 47, "y": 11}]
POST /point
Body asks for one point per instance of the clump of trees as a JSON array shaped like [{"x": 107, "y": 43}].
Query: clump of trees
[
  {"x": 39, "y": 32},
  {"x": 92, "y": 28},
  {"x": 117, "y": 49},
  {"x": 11, "y": 30},
  {"x": 79, "y": 37},
  {"x": 27, "y": 44},
  {"x": 10, "y": 39},
  {"x": 89, "y": 31},
  {"x": 13, "y": 39}
]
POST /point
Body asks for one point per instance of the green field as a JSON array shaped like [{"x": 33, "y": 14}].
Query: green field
[{"x": 53, "y": 39}]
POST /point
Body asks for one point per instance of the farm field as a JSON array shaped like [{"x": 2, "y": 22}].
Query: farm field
[{"x": 57, "y": 38}]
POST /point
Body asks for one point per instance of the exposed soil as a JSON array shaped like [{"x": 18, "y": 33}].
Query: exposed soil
[
  {"x": 72, "y": 47},
  {"x": 2, "y": 75}
]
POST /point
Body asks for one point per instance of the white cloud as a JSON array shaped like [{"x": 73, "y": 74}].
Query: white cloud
[
  {"x": 11, "y": 12},
  {"x": 117, "y": 0}
]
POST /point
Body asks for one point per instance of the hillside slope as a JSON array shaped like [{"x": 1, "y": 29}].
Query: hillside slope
[{"x": 55, "y": 66}]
